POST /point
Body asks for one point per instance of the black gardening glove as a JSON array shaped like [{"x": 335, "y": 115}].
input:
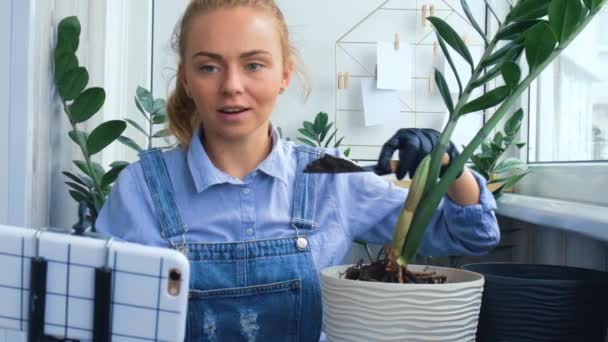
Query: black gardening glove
[{"x": 413, "y": 145}]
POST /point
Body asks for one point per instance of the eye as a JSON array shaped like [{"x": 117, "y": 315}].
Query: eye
[
  {"x": 208, "y": 69},
  {"x": 254, "y": 66}
]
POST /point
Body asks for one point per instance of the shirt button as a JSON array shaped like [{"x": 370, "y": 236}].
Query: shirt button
[
  {"x": 249, "y": 231},
  {"x": 246, "y": 191}
]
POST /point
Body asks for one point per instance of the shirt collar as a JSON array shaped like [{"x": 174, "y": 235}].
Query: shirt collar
[{"x": 205, "y": 174}]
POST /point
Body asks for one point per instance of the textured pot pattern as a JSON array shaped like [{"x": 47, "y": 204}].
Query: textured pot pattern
[{"x": 373, "y": 311}]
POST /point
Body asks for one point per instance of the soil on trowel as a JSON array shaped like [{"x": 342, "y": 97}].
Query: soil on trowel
[{"x": 388, "y": 271}]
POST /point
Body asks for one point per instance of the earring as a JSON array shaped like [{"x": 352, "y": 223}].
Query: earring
[
  {"x": 188, "y": 93},
  {"x": 282, "y": 90}
]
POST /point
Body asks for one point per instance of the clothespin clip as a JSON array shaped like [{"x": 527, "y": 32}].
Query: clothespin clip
[
  {"x": 435, "y": 48},
  {"x": 36, "y": 308},
  {"x": 424, "y": 15},
  {"x": 397, "y": 41},
  {"x": 347, "y": 80},
  {"x": 340, "y": 80},
  {"x": 432, "y": 11},
  {"x": 102, "y": 305},
  {"x": 432, "y": 83}
]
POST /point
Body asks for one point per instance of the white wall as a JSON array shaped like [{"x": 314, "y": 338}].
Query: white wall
[
  {"x": 317, "y": 28},
  {"x": 5, "y": 42}
]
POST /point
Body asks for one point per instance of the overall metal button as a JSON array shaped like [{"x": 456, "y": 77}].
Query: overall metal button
[
  {"x": 183, "y": 249},
  {"x": 302, "y": 243}
]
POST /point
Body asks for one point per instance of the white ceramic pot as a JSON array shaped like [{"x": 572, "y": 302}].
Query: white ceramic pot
[{"x": 372, "y": 311}]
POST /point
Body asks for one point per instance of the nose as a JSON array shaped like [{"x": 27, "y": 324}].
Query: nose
[{"x": 233, "y": 81}]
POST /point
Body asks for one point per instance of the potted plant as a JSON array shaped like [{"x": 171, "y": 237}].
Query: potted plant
[
  {"x": 91, "y": 187},
  {"x": 501, "y": 175},
  {"x": 448, "y": 308}
]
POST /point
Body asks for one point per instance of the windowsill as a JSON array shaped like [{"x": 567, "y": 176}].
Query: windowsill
[{"x": 586, "y": 219}]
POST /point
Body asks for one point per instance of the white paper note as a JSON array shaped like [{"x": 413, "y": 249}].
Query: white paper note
[
  {"x": 380, "y": 106},
  {"x": 395, "y": 66}
]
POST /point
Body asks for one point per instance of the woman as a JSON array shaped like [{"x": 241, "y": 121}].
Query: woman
[{"x": 234, "y": 199}]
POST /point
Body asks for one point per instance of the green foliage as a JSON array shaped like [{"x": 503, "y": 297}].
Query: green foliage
[
  {"x": 81, "y": 104},
  {"x": 155, "y": 114},
  {"x": 509, "y": 171},
  {"x": 540, "y": 28},
  {"x": 316, "y": 134}
]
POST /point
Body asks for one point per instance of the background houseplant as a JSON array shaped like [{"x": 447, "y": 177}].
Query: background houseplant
[
  {"x": 538, "y": 29},
  {"x": 500, "y": 174},
  {"x": 316, "y": 134},
  {"x": 91, "y": 187}
]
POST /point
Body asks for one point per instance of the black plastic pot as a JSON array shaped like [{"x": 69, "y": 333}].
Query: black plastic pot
[{"x": 536, "y": 303}]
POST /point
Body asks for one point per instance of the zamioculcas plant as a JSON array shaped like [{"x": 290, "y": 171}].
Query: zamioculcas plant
[
  {"x": 315, "y": 133},
  {"x": 155, "y": 113},
  {"x": 501, "y": 174},
  {"x": 80, "y": 104},
  {"x": 538, "y": 29}
]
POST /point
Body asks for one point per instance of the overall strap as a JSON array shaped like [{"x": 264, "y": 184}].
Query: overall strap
[
  {"x": 163, "y": 196},
  {"x": 305, "y": 190}
]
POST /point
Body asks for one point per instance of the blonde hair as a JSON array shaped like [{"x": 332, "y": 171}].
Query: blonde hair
[{"x": 180, "y": 107}]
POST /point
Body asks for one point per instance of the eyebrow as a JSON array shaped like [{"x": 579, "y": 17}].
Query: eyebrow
[{"x": 219, "y": 57}]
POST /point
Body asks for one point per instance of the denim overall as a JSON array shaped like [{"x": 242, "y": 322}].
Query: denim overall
[{"x": 264, "y": 290}]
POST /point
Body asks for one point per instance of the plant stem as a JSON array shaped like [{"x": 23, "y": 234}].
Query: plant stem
[
  {"x": 97, "y": 195},
  {"x": 436, "y": 191}
]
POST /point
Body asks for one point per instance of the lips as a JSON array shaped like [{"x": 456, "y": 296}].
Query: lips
[{"x": 233, "y": 110}]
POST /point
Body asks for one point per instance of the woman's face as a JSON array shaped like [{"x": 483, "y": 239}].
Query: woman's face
[{"x": 234, "y": 71}]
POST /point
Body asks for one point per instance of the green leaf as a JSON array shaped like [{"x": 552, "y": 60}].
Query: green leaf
[
  {"x": 73, "y": 83},
  {"x": 77, "y": 187},
  {"x": 87, "y": 104},
  {"x": 111, "y": 176},
  {"x": 130, "y": 143},
  {"x": 487, "y": 77},
  {"x": 98, "y": 169},
  {"x": 467, "y": 12},
  {"x": 448, "y": 57},
  {"x": 119, "y": 163},
  {"x": 159, "y": 119},
  {"x": 331, "y": 137},
  {"x": 145, "y": 98},
  {"x": 307, "y": 142},
  {"x": 511, "y": 74},
  {"x": 486, "y": 149},
  {"x": 104, "y": 135},
  {"x": 140, "y": 108},
  {"x": 159, "y": 107},
  {"x": 529, "y": 9},
  {"x": 498, "y": 139},
  {"x": 309, "y": 127},
  {"x": 339, "y": 142},
  {"x": 540, "y": 43},
  {"x": 564, "y": 16},
  {"x": 80, "y": 197},
  {"x": 444, "y": 89},
  {"x": 520, "y": 145},
  {"x": 320, "y": 122},
  {"x": 487, "y": 100},
  {"x": 510, "y": 164},
  {"x": 82, "y": 166},
  {"x": 515, "y": 30},
  {"x": 503, "y": 53},
  {"x": 137, "y": 126},
  {"x": 347, "y": 152},
  {"x": 513, "y": 180},
  {"x": 68, "y": 32},
  {"x": 77, "y": 135},
  {"x": 162, "y": 133},
  {"x": 513, "y": 124},
  {"x": 446, "y": 32},
  {"x": 325, "y": 131},
  {"x": 64, "y": 62},
  {"x": 592, "y": 4},
  {"x": 307, "y": 134},
  {"x": 74, "y": 178}
]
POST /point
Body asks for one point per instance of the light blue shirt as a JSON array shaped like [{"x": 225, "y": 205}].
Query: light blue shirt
[{"x": 217, "y": 207}]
